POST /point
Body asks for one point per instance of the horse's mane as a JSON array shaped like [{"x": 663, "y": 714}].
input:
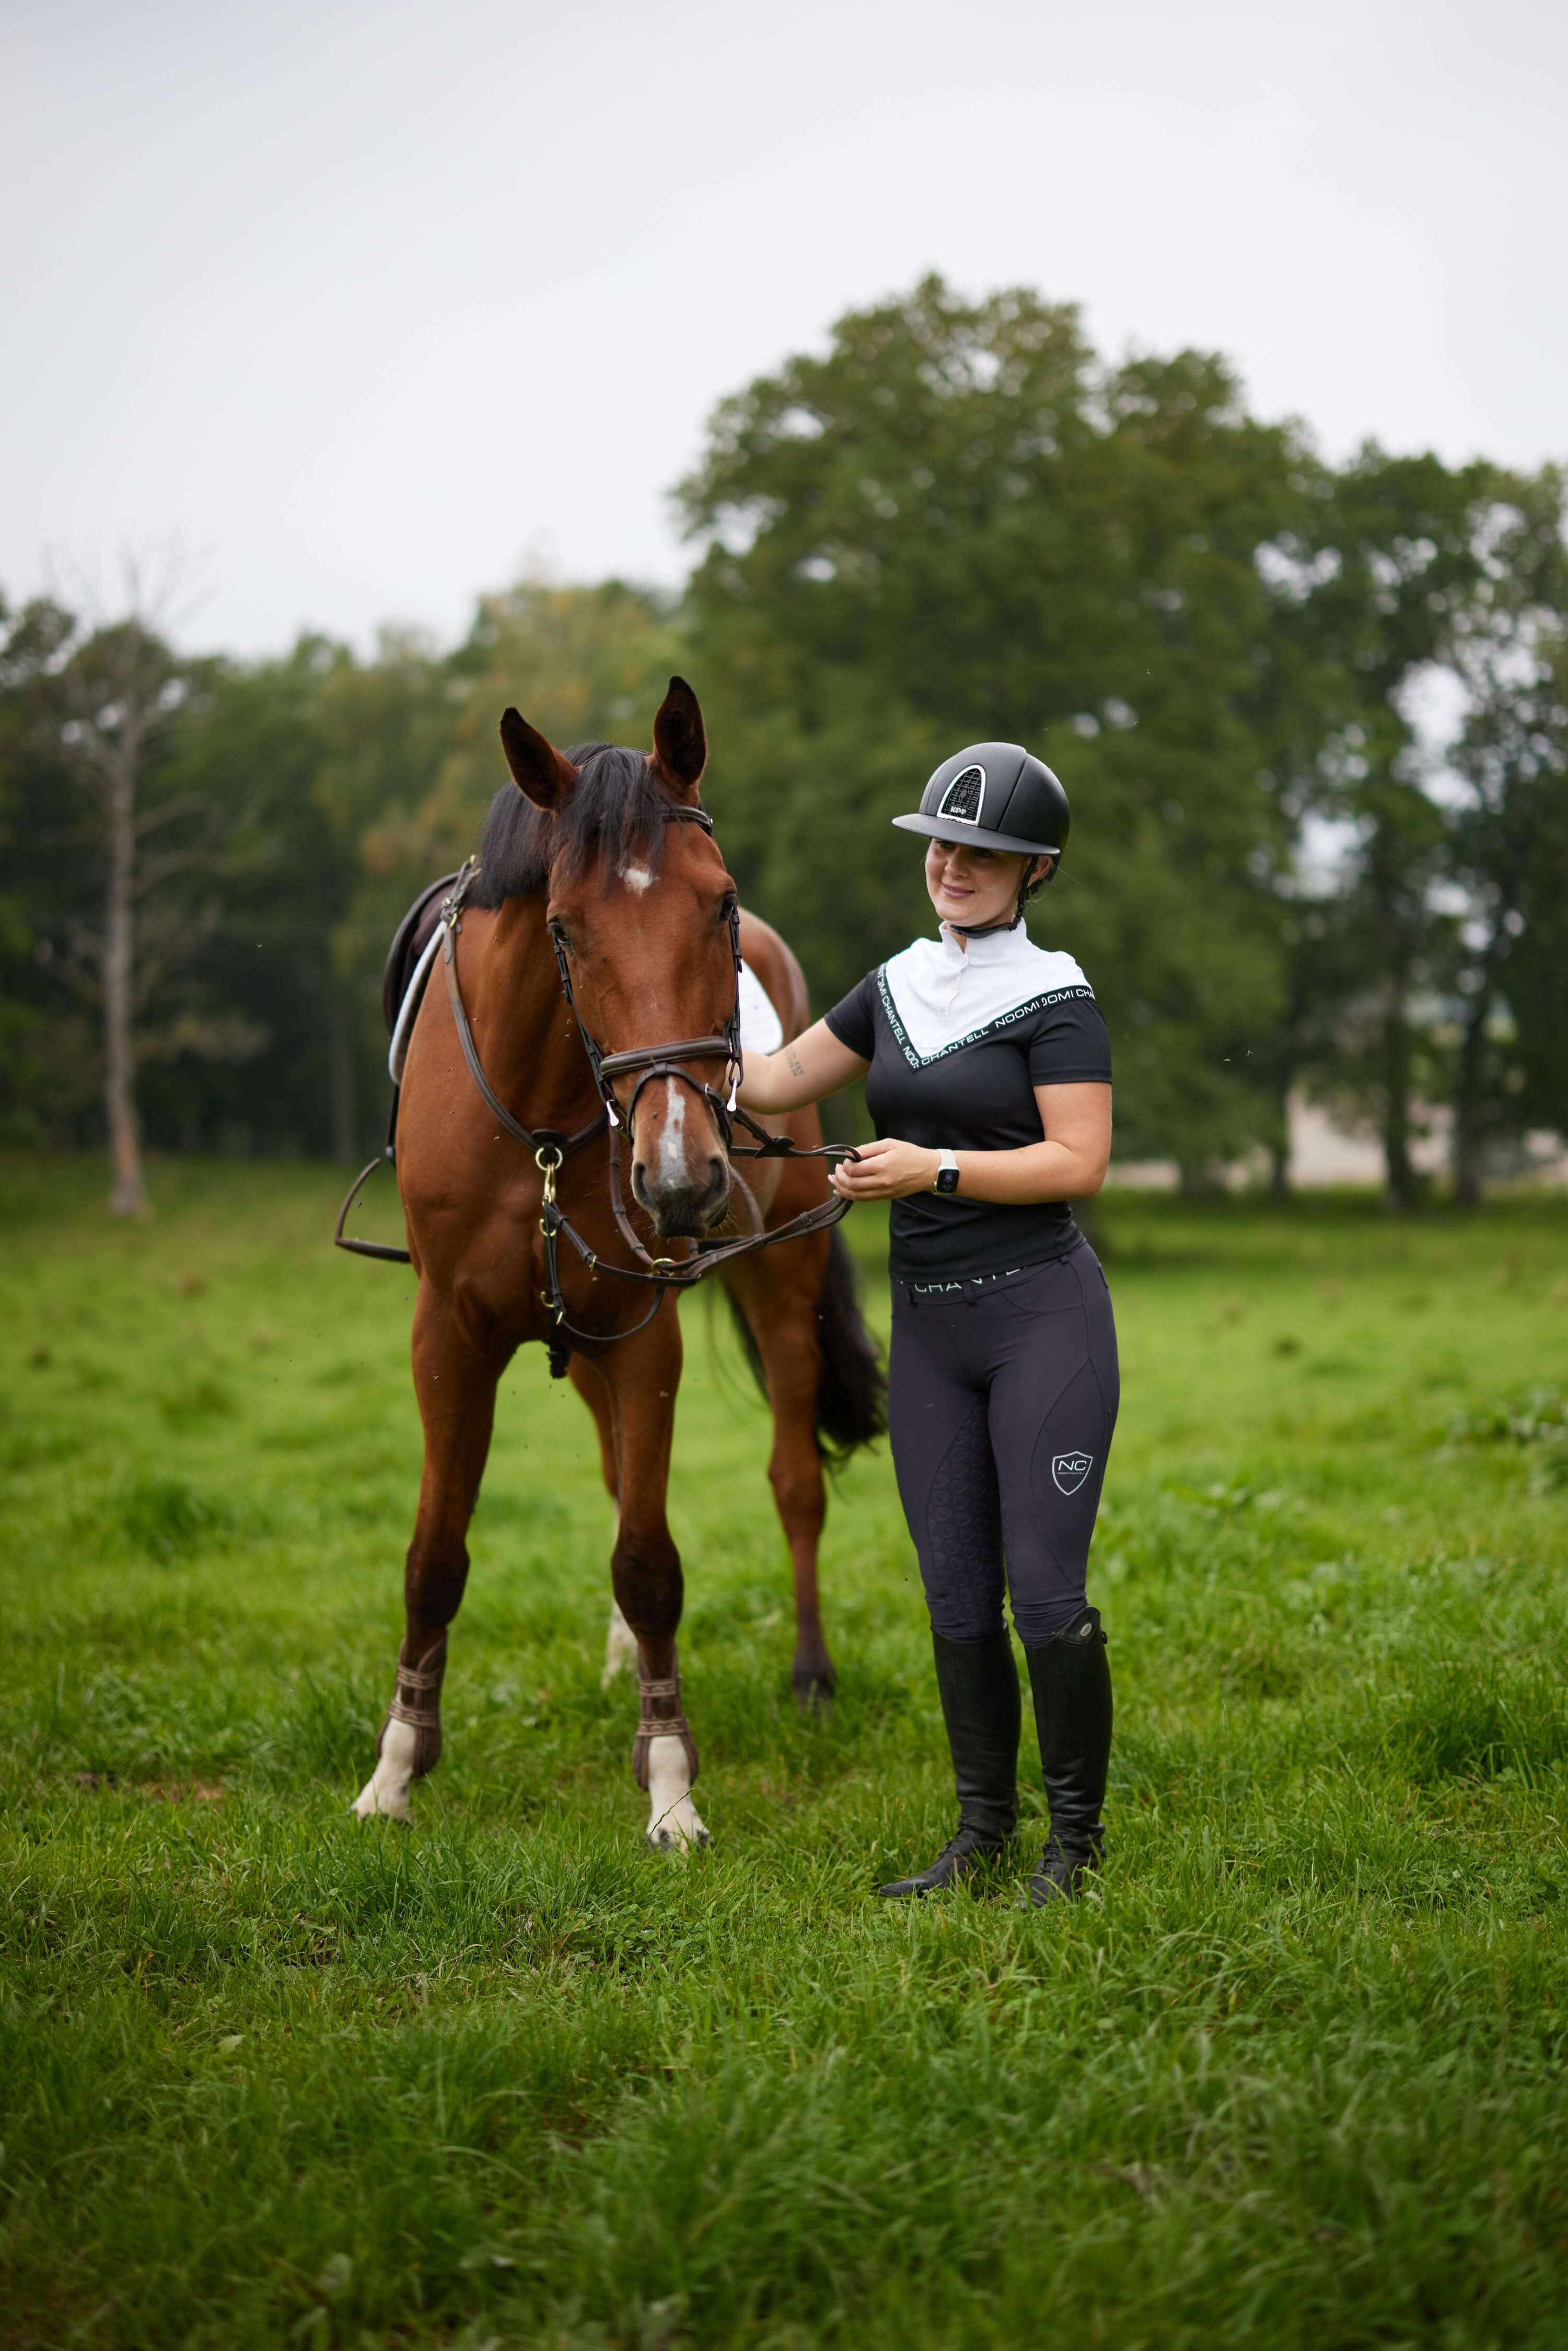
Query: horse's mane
[{"x": 616, "y": 811}]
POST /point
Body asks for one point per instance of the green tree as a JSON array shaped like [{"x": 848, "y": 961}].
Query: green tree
[
  {"x": 1396, "y": 563},
  {"x": 1509, "y": 833},
  {"x": 959, "y": 523},
  {"x": 100, "y": 709}
]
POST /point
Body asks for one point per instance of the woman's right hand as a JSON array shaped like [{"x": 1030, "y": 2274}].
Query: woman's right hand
[{"x": 810, "y": 1066}]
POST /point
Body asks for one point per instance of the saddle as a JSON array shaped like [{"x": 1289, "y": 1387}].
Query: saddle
[{"x": 410, "y": 940}]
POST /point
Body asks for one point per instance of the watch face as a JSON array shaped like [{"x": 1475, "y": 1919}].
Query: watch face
[{"x": 947, "y": 1179}]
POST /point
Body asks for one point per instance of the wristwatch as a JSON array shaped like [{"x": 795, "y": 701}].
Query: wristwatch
[{"x": 946, "y": 1179}]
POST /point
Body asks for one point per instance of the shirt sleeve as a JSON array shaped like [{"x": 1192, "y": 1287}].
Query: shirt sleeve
[
  {"x": 1068, "y": 1043},
  {"x": 852, "y": 1021}
]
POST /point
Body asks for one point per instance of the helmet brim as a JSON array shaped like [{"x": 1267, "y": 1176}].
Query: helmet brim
[{"x": 947, "y": 828}]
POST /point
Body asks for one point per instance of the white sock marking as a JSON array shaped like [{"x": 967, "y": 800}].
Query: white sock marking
[
  {"x": 619, "y": 1648},
  {"x": 386, "y": 1790},
  {"x": 673, "y": 1821}
]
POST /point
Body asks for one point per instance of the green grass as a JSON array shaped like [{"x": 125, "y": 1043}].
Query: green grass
[{"x": 1295, "y": 2076}]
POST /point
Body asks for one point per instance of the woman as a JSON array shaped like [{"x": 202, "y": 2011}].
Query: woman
[{"x": 989, "y": 1079}]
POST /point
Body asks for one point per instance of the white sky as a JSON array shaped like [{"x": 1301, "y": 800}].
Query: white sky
[{"x": 370, "y": 305}]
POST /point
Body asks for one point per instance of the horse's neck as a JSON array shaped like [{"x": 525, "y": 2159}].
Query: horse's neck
[{"x": 523, "y": 1025}]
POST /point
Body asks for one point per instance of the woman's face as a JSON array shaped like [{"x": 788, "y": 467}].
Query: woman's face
[{"x": 974, "y": 886}]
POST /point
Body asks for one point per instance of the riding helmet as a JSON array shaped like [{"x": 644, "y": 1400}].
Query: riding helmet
[{"x": 995, "y": 795}]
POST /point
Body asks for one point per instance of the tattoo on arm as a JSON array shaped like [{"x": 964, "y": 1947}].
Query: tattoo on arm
[{"x": 793, "y": 1062}]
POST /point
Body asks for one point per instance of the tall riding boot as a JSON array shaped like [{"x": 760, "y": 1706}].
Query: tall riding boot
[
  {"x": 1070, "y": 1679},
  {"x": 979, "y": 1688}
]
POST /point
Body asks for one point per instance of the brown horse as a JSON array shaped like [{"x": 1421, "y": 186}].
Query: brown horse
[{"x": 604, "y": 856}]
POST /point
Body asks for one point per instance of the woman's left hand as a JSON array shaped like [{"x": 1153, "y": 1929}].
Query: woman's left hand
[{"x": 885, "y": 1171}]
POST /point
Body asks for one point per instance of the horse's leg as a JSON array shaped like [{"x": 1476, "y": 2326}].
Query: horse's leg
[
  {"x": 454, "y": 1382},
  {"x": 621, "y": 1646},
  {"x": 777, "y": 1291},
  {"x": 641, "y": 1375}
]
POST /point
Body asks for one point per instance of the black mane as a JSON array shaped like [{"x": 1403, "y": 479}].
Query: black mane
[{"x": 616, "y": 811}]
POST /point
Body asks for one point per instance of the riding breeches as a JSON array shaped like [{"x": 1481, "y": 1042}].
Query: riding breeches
[{"x": 1002, "y": 1396}]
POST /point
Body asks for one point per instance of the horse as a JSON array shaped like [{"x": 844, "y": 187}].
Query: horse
[{"x": 599, "y": 924}]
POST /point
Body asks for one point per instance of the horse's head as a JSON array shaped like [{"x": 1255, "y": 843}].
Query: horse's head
[{"x": 642, "y": 907}]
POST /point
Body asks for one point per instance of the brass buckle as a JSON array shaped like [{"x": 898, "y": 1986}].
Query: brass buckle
[{"x": 548, "y": 1161}]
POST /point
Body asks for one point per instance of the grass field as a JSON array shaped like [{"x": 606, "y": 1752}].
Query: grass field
[{"x": 1295, "y": 2076}]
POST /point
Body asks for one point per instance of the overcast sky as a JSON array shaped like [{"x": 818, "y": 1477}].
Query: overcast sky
[{"x": 371, "y": 306}]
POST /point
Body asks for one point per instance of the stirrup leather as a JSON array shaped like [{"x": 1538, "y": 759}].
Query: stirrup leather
[{"x": 660, "y": 1726}]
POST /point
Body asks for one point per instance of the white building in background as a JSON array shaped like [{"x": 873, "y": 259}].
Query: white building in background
[{"x": 1323, "y": 1153}]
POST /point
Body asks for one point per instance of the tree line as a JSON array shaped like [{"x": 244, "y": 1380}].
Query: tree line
[{"x": 1313, "y": 719}]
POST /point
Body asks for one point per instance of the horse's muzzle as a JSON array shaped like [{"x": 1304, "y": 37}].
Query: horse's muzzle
[{"x": 684, "y": 1202}]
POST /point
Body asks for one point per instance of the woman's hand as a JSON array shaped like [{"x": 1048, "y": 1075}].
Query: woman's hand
[
  {"x": 886, "y": 1170},
  {"x": 1067, "y": 1163}
]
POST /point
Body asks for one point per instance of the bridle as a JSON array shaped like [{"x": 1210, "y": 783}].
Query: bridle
[{"x": 553, "y": 1147}]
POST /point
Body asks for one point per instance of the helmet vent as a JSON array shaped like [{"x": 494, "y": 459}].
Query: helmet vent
[{"x": 962, "y": 799}]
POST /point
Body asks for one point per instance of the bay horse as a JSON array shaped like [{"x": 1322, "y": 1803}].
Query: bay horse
[{"x": 599, "y": 924}]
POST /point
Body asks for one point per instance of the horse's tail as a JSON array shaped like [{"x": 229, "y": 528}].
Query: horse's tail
[{"x": 851, "y": 1386}]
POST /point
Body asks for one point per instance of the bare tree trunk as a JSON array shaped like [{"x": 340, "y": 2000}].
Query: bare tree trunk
[
  {"x": 1279, "y": 1149},
  {"x": 1469, "y": 1109},
  {"x": 340, "y": 1047},
  {"x": 1280, "y": 1171},
  {"x": 128, "y": 1196},
  {"x": 1402, "y": 1184}
]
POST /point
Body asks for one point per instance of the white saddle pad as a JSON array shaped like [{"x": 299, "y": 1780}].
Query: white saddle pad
[{"x": 761, "y": 1030}]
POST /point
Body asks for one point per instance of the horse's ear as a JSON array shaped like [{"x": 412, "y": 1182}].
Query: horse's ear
[
  {"x": 539, "y": 769},
  {"x": 679, "y": 742}
]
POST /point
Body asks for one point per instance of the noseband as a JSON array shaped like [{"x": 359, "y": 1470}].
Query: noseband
[{"x": 552, "y": 1147}]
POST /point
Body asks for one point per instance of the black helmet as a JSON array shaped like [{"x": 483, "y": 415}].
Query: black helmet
[{"x": 997, "y": 795}]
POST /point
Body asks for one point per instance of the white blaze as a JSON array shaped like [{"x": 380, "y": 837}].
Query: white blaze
[
  {"x": 637, "y": 877},
  {"x": 672, "y": 1143}
]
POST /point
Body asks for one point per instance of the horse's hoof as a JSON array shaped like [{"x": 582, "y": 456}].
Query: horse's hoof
[
  {"x": 367, "y": 1807},
  {"x": 814, "y": 1688},
  {"x": 664, "y": 1842}
]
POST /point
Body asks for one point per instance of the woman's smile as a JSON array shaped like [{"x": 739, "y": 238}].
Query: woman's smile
[{"x": 972, "y": 887}]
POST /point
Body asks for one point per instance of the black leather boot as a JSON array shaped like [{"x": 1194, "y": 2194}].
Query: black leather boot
[
  {"x": 1071, "y": 1680},
  {"x": 980, "y": 1690}
]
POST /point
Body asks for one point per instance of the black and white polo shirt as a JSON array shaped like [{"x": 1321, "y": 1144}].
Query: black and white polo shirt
[{"x": 957, "y": 1038}]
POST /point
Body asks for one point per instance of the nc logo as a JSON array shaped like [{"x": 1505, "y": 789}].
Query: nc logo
[{"x": 1069, "y": 1469}]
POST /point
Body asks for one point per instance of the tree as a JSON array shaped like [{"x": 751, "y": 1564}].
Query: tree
[
  {"x": 1509, "y": 832},
  {"x": 121, "y": 850},
  {"x": 959, "y": 524},
  {"x": 1395, "y": 563}
]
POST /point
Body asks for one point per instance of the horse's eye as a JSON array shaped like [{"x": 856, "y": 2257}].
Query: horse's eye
[{"x": 727, "y": 905}]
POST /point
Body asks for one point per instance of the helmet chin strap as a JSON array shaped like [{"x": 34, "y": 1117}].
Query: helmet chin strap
[{"x": 984, "y": 930}]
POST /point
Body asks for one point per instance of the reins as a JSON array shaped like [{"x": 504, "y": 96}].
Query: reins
[{"x": 552, "y": 1147}]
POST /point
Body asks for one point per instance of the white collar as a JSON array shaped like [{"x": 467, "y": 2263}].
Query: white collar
[{"x": 945, "y": 993}]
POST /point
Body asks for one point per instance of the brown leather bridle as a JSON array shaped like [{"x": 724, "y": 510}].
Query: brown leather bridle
[{"x": 552, "y": 1147}]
